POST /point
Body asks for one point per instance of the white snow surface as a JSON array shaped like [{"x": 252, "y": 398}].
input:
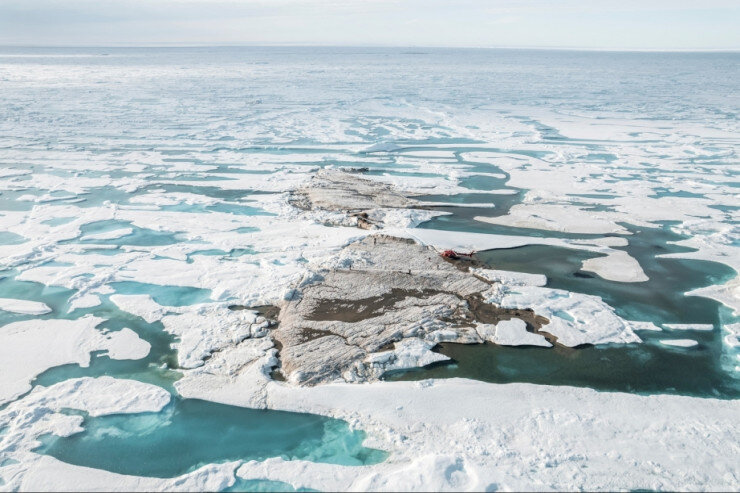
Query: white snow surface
[
  {"x": 474, "y": 436},
  {"x": 511, "y": 333},
  {"x": 32, "y": 346},
  {"x": 684, "y": 343},
  {"x": 408, "y": 353},
  {"x": 25, "y": 307},
  {"x": 701, "y": 327},
  {"x": 617, "y": 266},
  {"x": 141, "y": 305},
  {"x": 84, "y": 301},
  {"x": 108, "y": 235},
  {"x": 126, "y": 344},
  {"x": 575, "y": 318},
  {"x": 732, "y": 339},
  {"x": 39, "y": 413},
  {"x": 556, "y": 218}
]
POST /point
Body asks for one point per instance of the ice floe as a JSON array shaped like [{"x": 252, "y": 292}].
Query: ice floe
[
  {"x": 511, "y": 333},
  {"x": 617, "y": 266},
  {"x": 702, "y": 327},
  {"x": 684, "y": 343},
  {"x": 141, "y": 305},
  {"x": 463, "y": 434},
  {"x": 575, "y": 318},
  {"x": 556, "y": 218},
  {"x": 84, "y": 301},
  {"x": 108, "y": 235},
  {"x": 39, "y": 413},
  {"x": 25, "y": 307},
  {"x": 33, "y": 346}
]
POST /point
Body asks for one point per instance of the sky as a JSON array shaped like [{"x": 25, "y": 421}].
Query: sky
[{"x": 584, "y": 24}]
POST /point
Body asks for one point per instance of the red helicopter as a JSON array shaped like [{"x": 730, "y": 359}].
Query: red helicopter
[{"x": 453, "y": 255}]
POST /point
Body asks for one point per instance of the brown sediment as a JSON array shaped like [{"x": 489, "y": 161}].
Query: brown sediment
[
  {"x": 270, "y": 312},
  {"x": 477, "y": 310},
  {"x": 309, "y": 334},
  {"x": 393, "y": 289},
  {"x": 277, "y": 373},
  {"x": 465, "y": 263},
  {"x": 356, "y": 310},
  {"x": 363, "y": 220},
  {"x": 396, "y": 289},
  {"x": 488, "y": 313}
]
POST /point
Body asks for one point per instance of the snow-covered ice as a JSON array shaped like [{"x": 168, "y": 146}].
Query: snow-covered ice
[
  {"x": 25, "y": 307},
  {"x": 32, "y": 346},
  {"x": 512, "y": 333},
  {"x": 683, "y": 343},
  {"x": 701, "y": 327}
]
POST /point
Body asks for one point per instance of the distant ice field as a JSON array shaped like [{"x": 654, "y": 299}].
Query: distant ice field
[{"x": 143, "y": 191}]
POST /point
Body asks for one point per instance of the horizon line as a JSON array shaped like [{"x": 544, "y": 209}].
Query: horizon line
[{"x": 177, "y": 44}]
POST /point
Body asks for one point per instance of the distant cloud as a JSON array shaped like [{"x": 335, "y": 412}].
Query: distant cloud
[{"x": 651, "y": 24}]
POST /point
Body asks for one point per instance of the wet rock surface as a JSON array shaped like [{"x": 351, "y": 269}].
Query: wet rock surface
[
  {"x": 380, "y": 293},
  {"x": 383, "y": 303},
  {"x": 356, "y": 201}
]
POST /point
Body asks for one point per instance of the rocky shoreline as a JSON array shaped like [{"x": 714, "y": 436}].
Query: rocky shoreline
[{"x": 384, "y": 304}]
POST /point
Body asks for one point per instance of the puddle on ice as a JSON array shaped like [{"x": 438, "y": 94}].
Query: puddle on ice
[
  {"x": 164, "y": 295},
  {"x": 8, "y": 238},
  {"x": 201, "y": 432},
  {"x": 137, "y": 237}
]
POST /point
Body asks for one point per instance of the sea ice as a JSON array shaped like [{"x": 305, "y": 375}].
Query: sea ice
[
  {"x": 25, "y": 307},
  {"x": 407, "y": 353},
  {"x": 703, "y": 327},
  {"x": 564, "y": 218},
  {"x": 39, "y": 413},
  {"x": 732, "y": 337},
  {"x": 617, "y": 266},
  {"x": 126, "y": 344},
  {"x": 575, "y": 318},
  {"x": 32, "y": 346},
  {"x": 141, "y": 305},
  {"x": 584, "y": 170},
  {"x": 685, "y": 343},
  {"x": 512, "y": 333},
  {"x": 206, "y": 328},
  {"x": 514, "y": 436},
  {"x": 108, "y": 235},
  {"x": 85, "y": 301}
]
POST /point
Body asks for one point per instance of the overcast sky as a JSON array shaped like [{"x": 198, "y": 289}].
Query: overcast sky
[{"x": 592, "y": 24}]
